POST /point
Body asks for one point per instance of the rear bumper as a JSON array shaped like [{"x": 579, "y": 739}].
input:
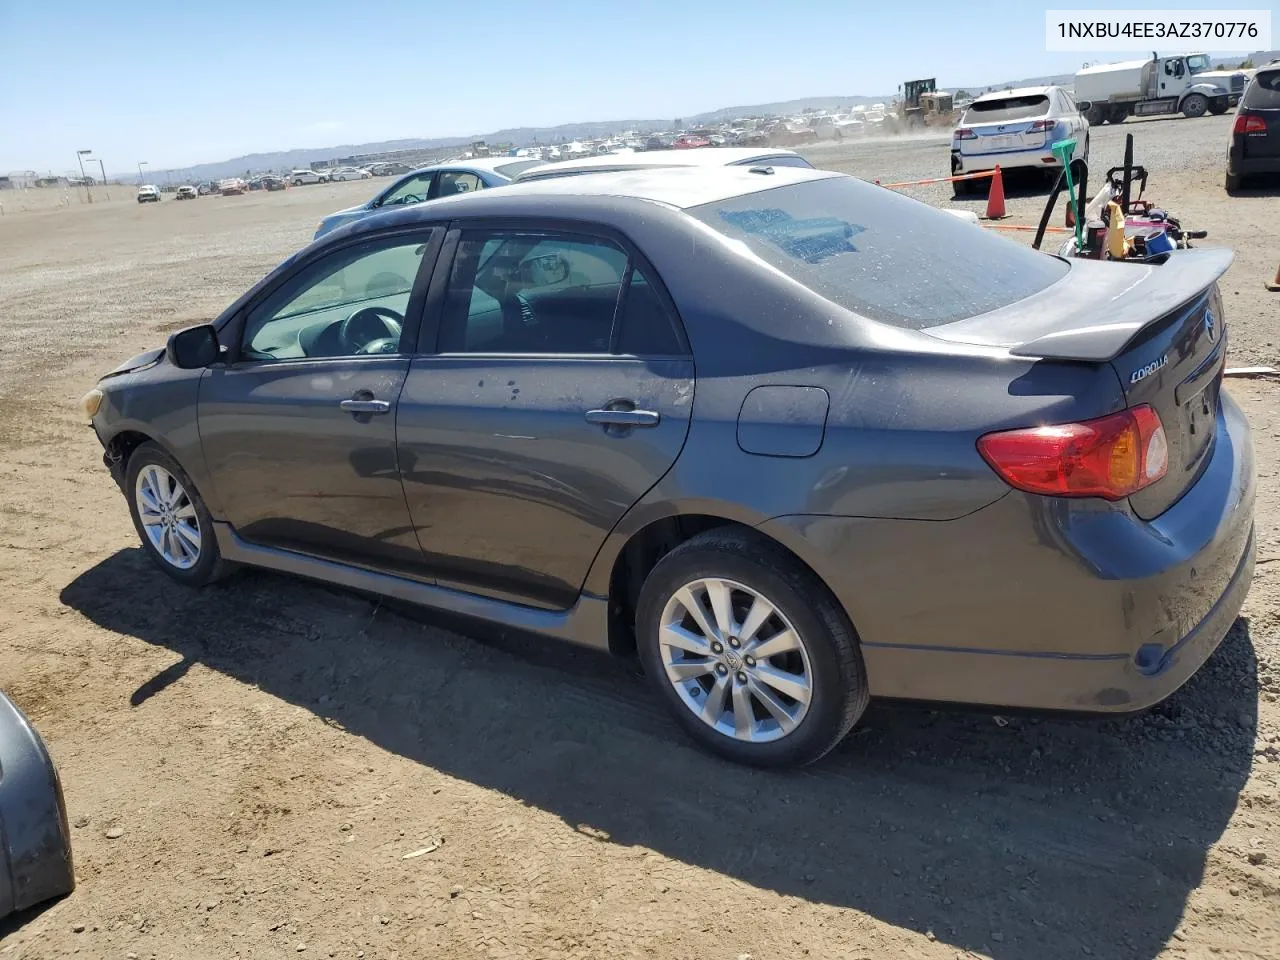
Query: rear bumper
[
  {"x": 1041, "y": 158},
  {"x": 1049, "y": 604},
  {"x": 35, "y": 846},
  {"x": 1244, "y": 166}
]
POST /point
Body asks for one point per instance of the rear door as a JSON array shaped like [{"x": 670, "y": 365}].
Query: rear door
[
  {"x": 1005, "y": 125},
  {"x": 556, "y": 391},
  {"x": 1262, "y": 99}
]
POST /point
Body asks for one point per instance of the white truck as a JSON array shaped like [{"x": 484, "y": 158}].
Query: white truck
[{"x": 1160, "y": 85}]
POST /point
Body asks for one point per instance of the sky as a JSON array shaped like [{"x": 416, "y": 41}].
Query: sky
[{"x": 175, "y": 84}]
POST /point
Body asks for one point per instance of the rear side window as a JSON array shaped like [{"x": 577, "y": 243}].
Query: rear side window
[
  {"x": 516, "y": 167},
  {"x": 1007, "y": 108},
  {"x": 786, "y": 160},
  {"x": 647, "y": 326},
  {"x": 1264, "y": 92},
  {"x": 880, "y": 254}
]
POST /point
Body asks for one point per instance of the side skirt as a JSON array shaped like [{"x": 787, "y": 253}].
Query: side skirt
[{"x": 584, "y": 624}]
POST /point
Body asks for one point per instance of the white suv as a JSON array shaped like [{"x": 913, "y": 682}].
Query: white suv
[
  {"x": 1016, "y": 128},
  {"x": 149, "y": 193},
  {"x": 299, "y": 177}
]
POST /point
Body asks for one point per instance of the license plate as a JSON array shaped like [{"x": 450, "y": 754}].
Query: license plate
[
  {"x": 1004, "y": 141},
  {"x": 1202, "y": 414}
]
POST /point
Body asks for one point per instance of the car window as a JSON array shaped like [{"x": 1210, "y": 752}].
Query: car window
[
  {"x": 516, "y": 167},
  {"x": 415, "y": 189},
  {"x": 784, "y": 160},
  {"x": 1264, "y": 92},
  {"x": 449, "y": 182},
  {"x": 647, "y": 327},
  {"x": 849, "y": 241},
  {"x": 351, "y": 302},
  {"x": 520, "y": 292},
  {"x": 1006, "y": 109}
]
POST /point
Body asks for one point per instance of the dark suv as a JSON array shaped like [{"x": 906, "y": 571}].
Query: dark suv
[{"x": 1255, "y": 136}]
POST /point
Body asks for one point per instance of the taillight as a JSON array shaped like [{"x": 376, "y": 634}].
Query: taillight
[
  {"x": 1110, "y": 457},
  {"x": 965, "y": 133},
  {"x": 1040, "y": 126},
  {"x": 1249, "y": 123}
]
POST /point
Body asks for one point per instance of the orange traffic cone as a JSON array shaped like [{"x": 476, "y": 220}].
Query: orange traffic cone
[
  {"x": 995, "y": 197},
  {"x": 1274, "y": 287}
]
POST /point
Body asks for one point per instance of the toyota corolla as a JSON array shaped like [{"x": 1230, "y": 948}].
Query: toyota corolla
[{"x": 796, "y": 440}]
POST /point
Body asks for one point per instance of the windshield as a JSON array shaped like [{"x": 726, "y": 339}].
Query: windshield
[
  {"x": 879, "y": 254},
  {"x": 1007, "y": 108},
  {"x": 1199, "y": 63}
]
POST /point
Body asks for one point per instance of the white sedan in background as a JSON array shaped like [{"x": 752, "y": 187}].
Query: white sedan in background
[
  {"x": 350, "y": 173},
  {"x": 299, "y": 177}
]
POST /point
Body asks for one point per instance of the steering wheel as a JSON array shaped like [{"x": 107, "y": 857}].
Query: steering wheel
[
  {"x": 370, "y": 327},
  {"x": 407, "y": 198}
]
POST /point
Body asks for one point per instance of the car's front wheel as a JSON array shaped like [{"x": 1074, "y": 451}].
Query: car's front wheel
[
  {"x": 171, "y": 518},
  {"x": 750, "y": 651}
]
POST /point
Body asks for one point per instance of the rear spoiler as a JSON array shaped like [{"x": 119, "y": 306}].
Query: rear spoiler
[{"x": 1125, "y": 300}]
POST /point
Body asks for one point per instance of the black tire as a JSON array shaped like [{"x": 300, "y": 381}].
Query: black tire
[
  {"x": 209, "y": 566},
  {"x": 1096, "y": 116},
  {"x": 1194, "y": 105},
  {"x": 838, "y": 678},
  {"x": 1234, "y": 181},
  {"x": 1219, "y": 105}
]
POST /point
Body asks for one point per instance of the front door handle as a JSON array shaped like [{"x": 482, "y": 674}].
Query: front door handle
[
  {"x": 365, "y": 406},
  {"x": 624, "y": 418}
]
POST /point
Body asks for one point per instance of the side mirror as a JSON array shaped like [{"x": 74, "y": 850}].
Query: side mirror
[
  {"x": 1084, "y": 105},
  {"x": 193, "y": 348},
  {"x": 545, "y": 271}
]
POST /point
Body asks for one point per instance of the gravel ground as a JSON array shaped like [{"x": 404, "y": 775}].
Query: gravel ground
[{"x": 270, "y": 768}]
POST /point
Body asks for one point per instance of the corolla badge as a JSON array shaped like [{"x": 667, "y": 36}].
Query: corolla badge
[
  {"x": 1210, "y": 325},
  {"x": 1143, "y": 372}
]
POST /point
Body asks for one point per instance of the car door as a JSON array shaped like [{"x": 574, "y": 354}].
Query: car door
[
  {"x": 298, "y": 428},
  {"x": 558, "y": 393}
]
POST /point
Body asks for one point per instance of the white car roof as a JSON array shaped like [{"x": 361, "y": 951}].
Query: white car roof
[
  {"x": 696, "y": 157},
  {"x": 1018, "y": 92}
]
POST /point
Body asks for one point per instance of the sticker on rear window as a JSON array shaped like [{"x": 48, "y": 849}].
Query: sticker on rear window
[{"x": 812, "y": 240}]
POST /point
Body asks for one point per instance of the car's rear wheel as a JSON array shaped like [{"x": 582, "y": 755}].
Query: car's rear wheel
[
  {"x": 750, "y": 651},
  {"x": 1234, "y": 180},
  {"x": 171, "y": 518}
]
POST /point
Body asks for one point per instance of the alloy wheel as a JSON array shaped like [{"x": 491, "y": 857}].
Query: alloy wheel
[
  {"x": 735, "y": 660},
  {"x": 168, "y": 517}
]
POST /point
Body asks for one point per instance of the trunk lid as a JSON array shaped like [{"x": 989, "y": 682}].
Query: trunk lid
[
  {"x": 1160, "y": 327},
  {"x": 1001, "y": 138}
]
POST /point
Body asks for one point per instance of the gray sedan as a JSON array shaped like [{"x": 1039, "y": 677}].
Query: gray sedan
[{"x": 796, "y": 440}]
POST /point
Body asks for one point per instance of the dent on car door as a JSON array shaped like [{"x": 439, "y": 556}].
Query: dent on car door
[
  {"x": 559, "y": 394},
  {"x": 298, "y": 431}
]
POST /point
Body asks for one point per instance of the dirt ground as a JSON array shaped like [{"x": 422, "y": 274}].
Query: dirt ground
[{"x": 297, "y": 771}]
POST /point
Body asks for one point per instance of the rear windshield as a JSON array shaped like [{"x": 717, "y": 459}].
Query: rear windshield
[
  {"x": 1007, "y": 108},
  {"x": 880, "y": 254},
  {"x": 1264, "y": 92},
  {"x": 510, "y": 170}
]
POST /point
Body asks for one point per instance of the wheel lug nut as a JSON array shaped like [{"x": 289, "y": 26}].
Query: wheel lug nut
[
  {"x": 733, "y": 642},
  {"x": 742, "y": 676},
  {"x": 721, "y": 669},
  {"x": 749, "y": 660},
  {"x": 717, "y": 646}
]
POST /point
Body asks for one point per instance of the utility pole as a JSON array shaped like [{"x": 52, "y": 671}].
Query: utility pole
[
  {"x": 141, "y": 164},
  {"x": 105, "y": 191},
  {"x": 83, "y": 179}
]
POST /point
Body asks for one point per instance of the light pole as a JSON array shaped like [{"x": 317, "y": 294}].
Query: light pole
[
  {"x": 141, "y": 164},
  {"x": 80, "y": 154},
  {"x": 105, "y": 191}
]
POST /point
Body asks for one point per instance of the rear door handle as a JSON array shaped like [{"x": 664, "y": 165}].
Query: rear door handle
[
  {"x": 365, "y": 406},
  {"x": 624, "y": 418}
]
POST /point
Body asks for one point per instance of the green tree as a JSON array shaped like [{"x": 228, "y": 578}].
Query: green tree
[
  {"x": 962, "y": 94},
  {"x": 1245, "y": 65}
]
